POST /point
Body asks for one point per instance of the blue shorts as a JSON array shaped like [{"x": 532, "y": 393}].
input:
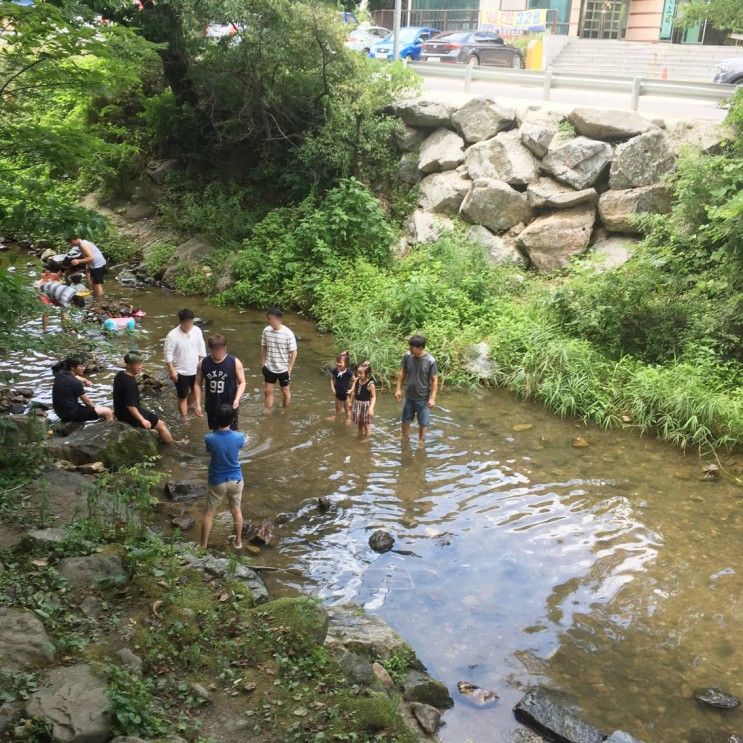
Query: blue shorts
[{"x": 411, "y": 408}]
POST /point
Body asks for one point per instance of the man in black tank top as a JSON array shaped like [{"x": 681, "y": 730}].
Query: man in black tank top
[{"x": 224, "y": 381}]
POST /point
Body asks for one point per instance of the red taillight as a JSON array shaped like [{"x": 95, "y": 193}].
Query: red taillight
[{"x": 450, "y": 47}]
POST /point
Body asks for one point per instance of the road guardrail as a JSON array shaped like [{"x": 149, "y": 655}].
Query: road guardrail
[{"x": 549, "y": 80}]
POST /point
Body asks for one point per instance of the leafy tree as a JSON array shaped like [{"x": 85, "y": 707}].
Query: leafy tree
[{"x": 724, "y": 15}]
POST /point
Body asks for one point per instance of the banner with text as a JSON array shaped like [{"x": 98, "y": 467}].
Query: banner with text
[{"x": 504, "y": 21}]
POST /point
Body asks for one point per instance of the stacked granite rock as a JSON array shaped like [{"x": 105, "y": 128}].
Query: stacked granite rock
[{"x": 537, "y": 186}]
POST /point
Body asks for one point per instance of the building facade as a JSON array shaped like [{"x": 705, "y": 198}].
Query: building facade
[{"x": 630, "y": 20}]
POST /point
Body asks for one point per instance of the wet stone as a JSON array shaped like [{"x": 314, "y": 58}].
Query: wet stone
[
  {"x": 716, "y": 698},
  {"x": 619, "y": 736},
  {"x": 538, "y": 710},
  {"x": 428, "y": 717},
  {"x": 185, "y": 491},
  {"x": 420, "y": 687},
  {"x": 381, "y": 541}
]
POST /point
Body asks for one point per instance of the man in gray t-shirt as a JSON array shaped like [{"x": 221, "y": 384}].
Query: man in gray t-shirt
[{"x": 420, "y": 378}]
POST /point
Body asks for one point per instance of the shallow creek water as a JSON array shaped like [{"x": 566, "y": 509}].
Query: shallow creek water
[{"x": 609, "y": 574}]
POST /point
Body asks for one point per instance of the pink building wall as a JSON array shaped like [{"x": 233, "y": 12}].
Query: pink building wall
[{"x": 643, "y": 21}]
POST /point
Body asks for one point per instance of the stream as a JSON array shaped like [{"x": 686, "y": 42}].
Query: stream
[{"x": 611, "y": 574}]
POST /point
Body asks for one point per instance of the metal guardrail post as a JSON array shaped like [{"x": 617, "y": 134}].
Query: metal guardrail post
[
  {"x": 636, "y": 93},
  {"x": 547, "y": 83},
  {"x": 468, "y": 78}
]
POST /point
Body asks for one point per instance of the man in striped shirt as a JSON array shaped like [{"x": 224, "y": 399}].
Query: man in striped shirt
[{"x": 278, "y": 356}]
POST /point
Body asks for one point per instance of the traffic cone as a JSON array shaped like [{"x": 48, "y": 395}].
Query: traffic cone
[{"x": 664, "y": 74}]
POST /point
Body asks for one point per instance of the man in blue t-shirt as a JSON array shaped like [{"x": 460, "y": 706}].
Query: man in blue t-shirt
[{"x": 225, "y": 474}]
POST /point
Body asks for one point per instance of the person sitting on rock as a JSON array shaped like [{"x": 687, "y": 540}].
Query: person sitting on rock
[
  {"x": 225, "y": 478},
  {"x": 69, "y": 388},
  {"x": 128, "y": 404}
]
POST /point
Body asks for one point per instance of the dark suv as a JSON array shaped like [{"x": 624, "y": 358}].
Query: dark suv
[{"x": 472, "y": 47}]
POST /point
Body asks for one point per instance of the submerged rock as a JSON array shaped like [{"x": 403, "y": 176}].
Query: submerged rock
[
  {"x": 477, "y": 694},
  {"x": 619, "y": 736},
  {"x": 381, "y": 541},
  {"x": 537, "y": 709},
  {"x": 716, "y": 698}
]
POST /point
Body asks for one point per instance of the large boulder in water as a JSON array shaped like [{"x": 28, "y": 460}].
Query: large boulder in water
[
  {"x": 642, "y": 161},
  {"x": 607, "y": 124},
  {"x": 503, "y": 158},
  {"x": 443, "y": 192},
  {"x": 578, "y": 162},
  {"x": 115, "y": 444},
  {"x": 551, "y": 241},
  {"x": 540, "y": 711},
  {"x": 74, "y": 704},
  {"x": 442, "y": 150},
  {"x": 495, "y": 205},
  {"x": 481, "y": 118},
  {"x": 617, "y": 208}
]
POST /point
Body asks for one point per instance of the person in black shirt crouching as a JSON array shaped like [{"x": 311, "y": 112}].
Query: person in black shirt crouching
[
  {"x": 69, "y": 400},
  {"x": 128, "y": 404}
]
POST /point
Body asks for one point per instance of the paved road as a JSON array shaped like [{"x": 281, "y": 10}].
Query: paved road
[{"x": 452, "y": 90}]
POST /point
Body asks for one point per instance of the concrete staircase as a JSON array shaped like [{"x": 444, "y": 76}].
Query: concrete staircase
[{"x": 639, "y": 59}]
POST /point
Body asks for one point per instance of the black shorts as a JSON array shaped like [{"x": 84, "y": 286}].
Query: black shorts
[
  {"x": 184, "y": 385},
  {"x": 272, "y": 378},
  {"x": 146, "y": 414},
  {"x": 342, "y": 396},
  {"x": 211, "y": 417},
  {"x": 97, "y": 274},
  {"x": 82, "y": 414}
]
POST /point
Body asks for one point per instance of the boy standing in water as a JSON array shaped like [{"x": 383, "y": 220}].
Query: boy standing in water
[
  {"x": 184, "y": 349},
  {"x": 278, "y": 356},
  {"x": 225, "y": 474},
  {"x": 419, "y": 374},
  {"x": 224, "y": 379}
]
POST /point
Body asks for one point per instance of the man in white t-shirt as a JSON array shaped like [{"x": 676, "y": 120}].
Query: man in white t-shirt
[
  {"x": 278, "y": 356},
  {"x": 184, "y": 349}
]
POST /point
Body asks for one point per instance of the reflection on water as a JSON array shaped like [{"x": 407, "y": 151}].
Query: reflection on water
[{"x": 610, "y": 574}]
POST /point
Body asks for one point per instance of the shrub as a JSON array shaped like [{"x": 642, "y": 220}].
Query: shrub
[{"x": 157, "y": 257}]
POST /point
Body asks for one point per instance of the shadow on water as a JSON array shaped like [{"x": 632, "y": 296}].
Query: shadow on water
[{"x": 610, "y": 574}]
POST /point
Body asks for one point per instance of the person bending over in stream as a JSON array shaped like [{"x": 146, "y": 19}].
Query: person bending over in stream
[
  {"x": 94, "y": 262},
  {"x": 420, "y": 378},
  {"x": 69, "y": 400},
  {"x": 225, "y": 479},
  {"x": 128, "y": 404},
  {"x": 184, "y": 350},
  {"x": 224, "y": 378}
]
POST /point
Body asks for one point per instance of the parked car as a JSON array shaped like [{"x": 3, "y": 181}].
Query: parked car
[
  {"x": 364, "y": 38},
  {"x": 729, "y": 72},
  {"x": 412, "y": 39},
  {"x": 473, "y": 48}
]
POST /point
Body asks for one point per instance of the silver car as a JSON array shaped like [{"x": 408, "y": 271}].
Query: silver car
[
  {"x": 363, "y": 38},
  {"x": 729, "y": 71}
]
